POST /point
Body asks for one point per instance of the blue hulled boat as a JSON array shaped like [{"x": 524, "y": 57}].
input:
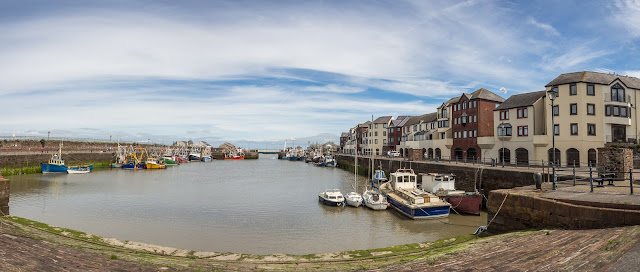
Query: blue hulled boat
[
  {"x": 403, "y": 194},
  {"x": 56, "y": 164}
]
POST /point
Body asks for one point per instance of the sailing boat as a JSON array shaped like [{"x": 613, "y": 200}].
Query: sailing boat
[
  {"x": 353, "y": 198},
  {"x": 372, "y": 197}
]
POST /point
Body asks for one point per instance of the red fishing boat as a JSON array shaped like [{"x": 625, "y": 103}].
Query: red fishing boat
[{"x": 443, "y": 186}]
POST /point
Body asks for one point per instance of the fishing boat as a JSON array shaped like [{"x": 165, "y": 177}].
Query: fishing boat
[
  {"x": 194, "y": 157},
  {"x": 443, "y": 186},
  {"x": 55, "y": 164},
  {"x": 78, "y": 170},
  {"x": 169, "y": 161},
  {"x": 238, "y": 154},
  {"x": 331, "y": 197},
  {"x": 153, "y": 163},
  {"x": 329, "y": 161},
  {"x": 403, "y": 194}
]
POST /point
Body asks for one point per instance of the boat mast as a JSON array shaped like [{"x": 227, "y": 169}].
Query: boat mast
[{"x": 373, "y": 172}]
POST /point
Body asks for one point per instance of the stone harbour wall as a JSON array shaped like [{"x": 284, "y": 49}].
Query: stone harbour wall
[
  {"x": 525, "y": 209},
  {"x": 4, "y": 197}
]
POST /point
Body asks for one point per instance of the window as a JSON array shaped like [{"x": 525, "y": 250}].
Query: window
[
  {"x": 591, "y": 90},
  {"x": 384, "y": 141},
  {"x": 556, "y": 110},
  {"x": 607, "y": 110},
  {"x": 376, "y": 141},
  {"x": 475, "y": 104},
  {"x": 574, "y": 129},
  {"x": 522, "y": 113},
  {"x": 617, "y": 93},
  {"x": 464, "y": 119},
  {"x": 442, "y": 135},
  {"x": 475, "y": 118},
  {"x": 591, "y": 109},
  {"x": 556, "y": 129},
  {"x": 623, "y": 112},
  {"x": 464, "y": 134},
  {"x": 415, "y": 127},
  {"x": 504, "y": 130},
  {"x": 464, "y": 105},
  {"x": 573, "y": 89},
  {"x": 475, "y": 133},
  {"x": 573, "y": 109},
  {"x": 375, "y": 133},
  {"x": 398, "y": 129},
  {"x": 616, "y": 111},
  {"x": 504, "y": 115},
  {"x": 384, "y": 125},
  {"x": 443, "y": 113},
  {"x": 523, "y": 131},
  {"x": 591, "y": 129},
  {"x": 384, "y": 133},
  {"x": 376, "y": 125}
]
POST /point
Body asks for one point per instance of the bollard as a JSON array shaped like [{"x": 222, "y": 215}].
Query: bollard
[
  {"x": 537, "y": 178},
  {"x": 631, "y": 179},
  {"x": 591, "y": 178},
  {"x": 574, "y": 173}
]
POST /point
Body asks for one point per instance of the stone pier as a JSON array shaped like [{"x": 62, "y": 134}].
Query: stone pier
[{"x": 4, "y": 196}]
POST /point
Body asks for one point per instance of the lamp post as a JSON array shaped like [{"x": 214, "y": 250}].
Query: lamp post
[
  {"x": 503, "y": 135},
  {"x": 553, "y": 93}
]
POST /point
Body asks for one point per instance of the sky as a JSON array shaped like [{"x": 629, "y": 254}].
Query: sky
[{"x": 272, "y": 70}]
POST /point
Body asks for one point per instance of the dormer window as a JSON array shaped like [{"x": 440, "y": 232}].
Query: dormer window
[{"x": 617, "y": 93}]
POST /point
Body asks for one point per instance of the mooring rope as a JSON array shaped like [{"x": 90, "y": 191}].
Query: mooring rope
[{"x": 499, "y": 208}]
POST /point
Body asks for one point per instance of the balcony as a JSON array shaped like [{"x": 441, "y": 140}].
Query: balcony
[
  {"x": 540, "y": 140},
  {"x": 617, "y": 120},
  {"x": 486, "y": 142},
  {"x": 627, "y": 101},
  {"x": 448, "y": 142}
]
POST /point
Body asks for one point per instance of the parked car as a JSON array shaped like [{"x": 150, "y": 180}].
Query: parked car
[{"x": 394, "y": 154}]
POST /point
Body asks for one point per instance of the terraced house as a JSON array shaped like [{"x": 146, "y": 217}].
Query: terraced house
[{"x": 589, "y": 110}]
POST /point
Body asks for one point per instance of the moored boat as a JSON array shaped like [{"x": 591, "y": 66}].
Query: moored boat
[
  {"x": 443, "y": 186},
  {"x": 55, "y": 164},
  {"x": 153, "y": 163},
  {"x": 403, "y": 194},
  {"x": 374, "y": 200},
  {"x": 194, "y": 157},
  {"x": 353, "y": 199},
  {"x": 331, "y": 197},
  {"x": 206, "y": 158},
  {"x": 78, "y": 170},
  {"x": 329, "y": 161},
  {"x": 169, "y": 161}
]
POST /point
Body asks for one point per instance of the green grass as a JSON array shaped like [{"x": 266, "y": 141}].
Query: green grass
[
  {"x": 36, "y": 169},
  {"x": 114, "y": 257}
]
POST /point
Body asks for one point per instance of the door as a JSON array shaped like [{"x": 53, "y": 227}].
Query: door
[{"x": 619, "y": 133}]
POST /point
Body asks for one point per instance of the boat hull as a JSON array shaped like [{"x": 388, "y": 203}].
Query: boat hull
[
  {"x": 353, "y": 203},
  {"x": 329, "y": 202},
  {"x": 467, "y": 203},
  {"x": 235, "y": 158},
  {"x": 78, "y": 171},
  {"x": 206, "y": 159},
  {"x": 416, "y": 212},
  {"x": 53, "y": 168},
  {"x": 194, "y": 158}
]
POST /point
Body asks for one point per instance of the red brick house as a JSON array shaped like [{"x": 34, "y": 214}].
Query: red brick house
[{"x": 472, "y": 119}]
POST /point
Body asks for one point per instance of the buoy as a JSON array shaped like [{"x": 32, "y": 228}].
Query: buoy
[{"x": 388, "y": 204}]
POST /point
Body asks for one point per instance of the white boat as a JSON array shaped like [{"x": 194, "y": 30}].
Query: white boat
[
  {"x": 374, "y": 200},
  {"x": 353, "y": 198},
  {"x": 331, "y": 198},
  {"x": 83, "y": 170},
  {"x": 403, "y": 194}
]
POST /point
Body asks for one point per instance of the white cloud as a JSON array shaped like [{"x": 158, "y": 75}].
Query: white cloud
[
  {"x": 546, "y": 27},
  {"x": 626, "y": 14}
]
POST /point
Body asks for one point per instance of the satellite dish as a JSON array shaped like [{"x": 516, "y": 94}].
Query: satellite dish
[{"x": 503, "y": 90}]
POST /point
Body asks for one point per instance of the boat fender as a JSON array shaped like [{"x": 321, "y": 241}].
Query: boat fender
[{"x": 388, "y": 204}]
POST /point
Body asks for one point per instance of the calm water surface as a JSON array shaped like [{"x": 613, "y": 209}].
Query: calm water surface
[{"x": 260, "y": 206}]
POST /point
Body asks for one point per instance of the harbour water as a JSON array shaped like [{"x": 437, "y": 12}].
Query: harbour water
[{"x": 263, "y": 206}]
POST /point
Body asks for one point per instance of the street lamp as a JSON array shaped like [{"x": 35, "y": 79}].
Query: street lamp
[
  {"x": 553, "y": 94},
  {"x": 503, "y": 135}
]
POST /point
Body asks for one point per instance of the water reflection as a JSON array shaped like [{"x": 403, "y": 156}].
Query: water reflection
[{"x": 254, "y": 206}]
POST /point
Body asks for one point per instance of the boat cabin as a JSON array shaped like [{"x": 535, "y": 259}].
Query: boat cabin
[
  {"x": 403, "y": 179},
  {"x": 333, "y": 195},
  {"x": 56, "y": 161},
  {"x": 379, "y": 175},
  {"x": 434, "y": 182}
]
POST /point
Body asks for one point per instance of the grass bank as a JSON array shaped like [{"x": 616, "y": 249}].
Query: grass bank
[{"x": 181, "y": 259}]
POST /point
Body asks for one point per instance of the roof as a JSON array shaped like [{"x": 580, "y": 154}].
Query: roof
[
  {"x": 485, "y": 94},
  {"x": 521, "y": 100},
  {"x": 400, "y": 121},
  {"x": 430, "y": 117},
  {"x": 594, "y": 77},
  {"x": 452, "y": 100},
  {"x": 383, "y": 120},
  {"x": 365, "y": 124},
  {"x": 344, "y": 134}
]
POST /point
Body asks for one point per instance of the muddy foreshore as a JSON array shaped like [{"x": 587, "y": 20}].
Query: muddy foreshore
[{"x": 32, "y": 246}]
